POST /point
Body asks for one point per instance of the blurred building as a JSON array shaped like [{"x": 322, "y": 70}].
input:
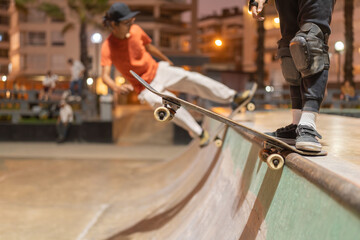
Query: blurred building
[
  {"x": 4, "y": 37},
  {"x": 221, "y": 39},
  {"x": 38, "y": 45}
]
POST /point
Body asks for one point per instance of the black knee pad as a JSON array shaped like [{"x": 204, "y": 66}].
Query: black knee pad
[
  {"x": 309, "y": 50},
  {"x": 289, "y": 70}
]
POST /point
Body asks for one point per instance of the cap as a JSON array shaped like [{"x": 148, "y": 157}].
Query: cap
[{"x": 119, "y": 12}]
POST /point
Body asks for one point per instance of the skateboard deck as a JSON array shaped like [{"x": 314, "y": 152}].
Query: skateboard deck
[
  {"x": 246, "y": 104},
  {"x": 273, "y": 149}
]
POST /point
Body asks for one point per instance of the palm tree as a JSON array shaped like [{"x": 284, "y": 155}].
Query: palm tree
[
  {"x": 85, "y": 10},
  {"x": 349, "y": 40}
]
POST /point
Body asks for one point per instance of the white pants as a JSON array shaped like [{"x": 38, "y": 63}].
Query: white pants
[{"x": 177, "y": 79}]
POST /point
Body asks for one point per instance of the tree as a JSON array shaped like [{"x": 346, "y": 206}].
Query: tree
[{"x": 349, "y": 40}]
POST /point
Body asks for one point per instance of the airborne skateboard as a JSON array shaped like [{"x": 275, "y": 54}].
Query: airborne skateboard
[
  {"x": 247, "y": 104},
  {"x": 273, "y": 149}
]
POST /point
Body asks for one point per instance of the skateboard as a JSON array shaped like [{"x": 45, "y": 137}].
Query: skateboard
[
  {"x": 273, "y": 149},
  {"x": 247, "y": 104}
]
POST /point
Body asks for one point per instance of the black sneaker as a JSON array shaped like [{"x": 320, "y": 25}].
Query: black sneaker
[
  {"x": 204, "y": 138},
  {"x": 239, "y": 98},
  {"x": 286, "y": 134},
  {"x": 306, "y": 139}
]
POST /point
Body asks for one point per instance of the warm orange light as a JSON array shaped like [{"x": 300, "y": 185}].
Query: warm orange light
[
  {"x": 277, "y": 20},
  {"x": 119, "y": 80},
  {"x": 218, "y": 42}
]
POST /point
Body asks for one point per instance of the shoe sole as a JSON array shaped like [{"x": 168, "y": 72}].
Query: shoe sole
[{"x": 309, "y": 146}]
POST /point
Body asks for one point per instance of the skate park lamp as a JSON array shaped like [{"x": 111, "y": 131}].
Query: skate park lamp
[
  {"x": 89, "y": 81},
  {"x": 96, "y": 39},
  {"x": 218, "y": 43},
  {"x": 339, "y": 47}
]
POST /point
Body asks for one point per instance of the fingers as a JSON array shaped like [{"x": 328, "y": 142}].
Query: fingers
[
  {"x": 125, "y": 89},
  {"x": 257, "y": 10}
]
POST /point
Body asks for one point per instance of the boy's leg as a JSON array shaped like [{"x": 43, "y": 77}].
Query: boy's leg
[
  {"x": 197, "y": 84},
  {"x": 72, "y": 87},
  {"x": 180, "y": 80},
  {"x": 79, "y": 86},
  {"x": 182, "y": 117}
]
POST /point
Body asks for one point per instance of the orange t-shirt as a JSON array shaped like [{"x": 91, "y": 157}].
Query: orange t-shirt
[{"x": 130, "y": 54}]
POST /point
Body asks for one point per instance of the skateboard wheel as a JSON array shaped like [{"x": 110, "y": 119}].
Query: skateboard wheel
[
  {"x": 162, "y": 114},
  {"x": 275, "y": 161},
  {"x": 218, "y": 142},
  {"x": 250, "y": 106}
]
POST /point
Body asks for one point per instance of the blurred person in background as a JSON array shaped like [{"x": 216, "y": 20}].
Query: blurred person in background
[
  {"x": 66, "y": 117},
  {"x": 348, "y": 92},
  {"x": 77, "y": 73},
  {"x": 49, "y": 84}
]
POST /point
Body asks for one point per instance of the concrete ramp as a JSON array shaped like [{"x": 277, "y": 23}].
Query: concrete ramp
[
  {"x": 199, "y": 194},
  {"x": 229, "y": 193}
]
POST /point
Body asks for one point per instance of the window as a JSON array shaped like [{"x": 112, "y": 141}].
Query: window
[
  {"x": 4, "y": 4},
  {"x": 165, "y": 40},
  {"x": 36, "y": 38},
  {"x": 4, "y": 20},
  {"x": 58, "y": 62},
  {"x": 4, "y": 36},
  {"x": 32, "y": 16},
  {"x": 33, "y": 61},
  {"x": 4, "y": 53},
  {"x": 57, "y": 39},
  {"x": 4, "y": 69}
]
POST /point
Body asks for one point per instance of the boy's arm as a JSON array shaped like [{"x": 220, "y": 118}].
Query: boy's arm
[
  {"x": 154, "y": 51},
  {"x": 123, "y": 89}
]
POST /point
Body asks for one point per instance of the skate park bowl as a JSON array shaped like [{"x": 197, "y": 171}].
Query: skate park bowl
[{"x": 200, "y": 193}]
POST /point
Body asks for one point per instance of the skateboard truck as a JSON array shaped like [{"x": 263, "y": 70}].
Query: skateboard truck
[
  {"x": 271, "y": 154},
  {"x": 167, "y": 112}
]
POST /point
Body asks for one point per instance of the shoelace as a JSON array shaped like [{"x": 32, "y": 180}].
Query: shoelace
[
  {"x": 287, "y": 128},
  {"x": 303, "y": 129}
]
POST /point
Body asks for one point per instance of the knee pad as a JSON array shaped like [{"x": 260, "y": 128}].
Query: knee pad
[
  {"x": 309, "y": 50},
  {"x": 289, "y": 71}
]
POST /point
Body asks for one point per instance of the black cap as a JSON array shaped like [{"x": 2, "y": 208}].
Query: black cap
[{"x": 119, "y": 12}]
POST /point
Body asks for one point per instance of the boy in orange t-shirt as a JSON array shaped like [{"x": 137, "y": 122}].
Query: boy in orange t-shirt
[{"x": 128, "y": 47}]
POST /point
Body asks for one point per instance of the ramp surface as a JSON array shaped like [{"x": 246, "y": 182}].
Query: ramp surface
[{"x": 207, "y": 193}]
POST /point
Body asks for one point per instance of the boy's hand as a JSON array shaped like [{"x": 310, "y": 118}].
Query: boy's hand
[
  {"x": 124, "y": 89},
  {"x": 170, "y": 62}
]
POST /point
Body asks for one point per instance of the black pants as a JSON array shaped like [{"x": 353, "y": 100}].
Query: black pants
[
  {"x": 62, "y": 130},
  {"x": 293, "y": 14}
]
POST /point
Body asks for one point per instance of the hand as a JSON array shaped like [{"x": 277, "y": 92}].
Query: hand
[
  {"x": 257, "y": 10},
  {"x": 124, "y": 89},
  {"x": 170, "y": 62}
]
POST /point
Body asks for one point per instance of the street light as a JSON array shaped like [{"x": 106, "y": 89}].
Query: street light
[
  {"x": 96, "y": 39},
  {"x": 89, "y": 81},
  {"x": 339, "y": 47},
  {"x": 218, "y": 42}
]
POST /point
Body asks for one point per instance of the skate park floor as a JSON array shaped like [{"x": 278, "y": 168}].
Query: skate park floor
[{"x": 156, "y": 191}]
